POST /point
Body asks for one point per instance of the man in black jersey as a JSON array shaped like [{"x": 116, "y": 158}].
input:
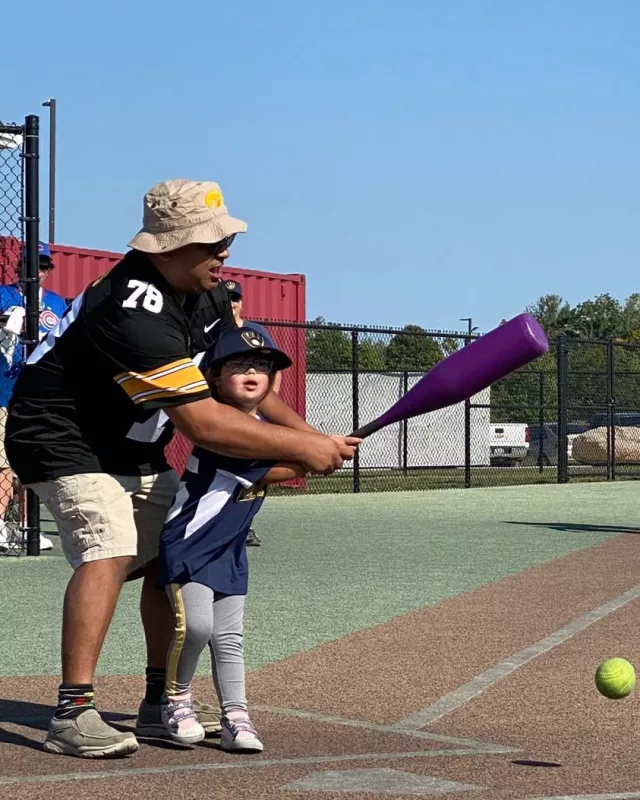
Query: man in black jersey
[{"x": 90, "y": 416}]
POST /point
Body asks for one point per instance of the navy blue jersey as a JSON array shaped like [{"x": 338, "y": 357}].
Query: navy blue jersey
[{"x": 203, "y": 539}]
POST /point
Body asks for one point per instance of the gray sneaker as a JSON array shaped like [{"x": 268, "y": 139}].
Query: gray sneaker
[
  {"x": 88, "y": 736},
  {"x": 253, "y": 540},
  {"x": 149, "y": 722}
]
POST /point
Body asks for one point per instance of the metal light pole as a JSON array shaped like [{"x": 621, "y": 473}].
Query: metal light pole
[
  {"x": 470, "y": 328},
  {"x": 467, "y": 414},
  {"x": 51, "y": 105}
]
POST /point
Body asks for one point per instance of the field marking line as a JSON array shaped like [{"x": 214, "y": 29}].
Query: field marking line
[
  {"x": 120, "y": 773},
  {"x": 607, "y": 796},
  {"x": 485, "y": 680},
  {"x": 480, "y": 747}
]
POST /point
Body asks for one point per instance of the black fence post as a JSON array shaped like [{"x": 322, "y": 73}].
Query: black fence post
[
  {"x": 31, "y": 284},
  {"x": 467, "y": 434},
  {"x": 611, "y": 410},
  {"x": 541, "y": 431},
  {"x": 355, "y": 382},
  {"x": 563, "y": 455},
  {"x": 405, "y": 428}
]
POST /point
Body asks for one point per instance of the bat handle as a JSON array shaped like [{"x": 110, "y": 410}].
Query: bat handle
[{"x": 366, "y": 430}]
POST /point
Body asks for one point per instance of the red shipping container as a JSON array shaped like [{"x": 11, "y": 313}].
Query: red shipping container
[{"x": 267, "y": 296}]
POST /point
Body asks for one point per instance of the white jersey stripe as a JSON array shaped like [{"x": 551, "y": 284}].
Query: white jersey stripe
[{"x": 211, "y": 504}]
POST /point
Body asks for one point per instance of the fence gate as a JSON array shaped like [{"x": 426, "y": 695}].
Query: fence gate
[{"x": 19, "y": 510}]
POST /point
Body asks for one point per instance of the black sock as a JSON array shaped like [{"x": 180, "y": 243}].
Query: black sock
[
  {"x": 73, "y": 699},
  {"x": 155, "y": 684}
]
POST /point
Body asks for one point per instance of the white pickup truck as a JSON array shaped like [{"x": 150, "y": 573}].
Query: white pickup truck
[{"x": 509, "y": 443}]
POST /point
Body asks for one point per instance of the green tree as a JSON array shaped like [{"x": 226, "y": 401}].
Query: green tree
[
  {"x": 586, "y": 377},
  {"x": 516, "y": 398},
  {"x": 409, "y": 350},
  {"x": 627, "y": 376},
  {"x": 327, "y": 348},
  {"x": 371, "y": 353},
  {"x": 552, "y": 313},
  {"x": 630, "y": 323},
  {"x": 450, "y": 345},
  {"x": 596, "y": 319}
]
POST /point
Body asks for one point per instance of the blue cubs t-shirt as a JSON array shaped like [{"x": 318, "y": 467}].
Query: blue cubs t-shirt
[
  {"x": 12, "y": 356},
  {"x": 204, "y": 537}
]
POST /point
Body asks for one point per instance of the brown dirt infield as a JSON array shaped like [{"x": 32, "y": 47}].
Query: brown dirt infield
[{"x": 328, "y": 715}]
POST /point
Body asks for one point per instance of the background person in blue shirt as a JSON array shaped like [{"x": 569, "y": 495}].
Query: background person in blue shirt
[
  {"x": 202, "y": 548},
  {"x": 12, "y": 357},
  {"x": 235, "y": 295}
]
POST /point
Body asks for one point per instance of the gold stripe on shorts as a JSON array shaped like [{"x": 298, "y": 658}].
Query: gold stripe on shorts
[{"x": 175, "y": 651}]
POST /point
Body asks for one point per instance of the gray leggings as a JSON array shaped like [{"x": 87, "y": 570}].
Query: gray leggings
[{"x": 207, "y": 618}]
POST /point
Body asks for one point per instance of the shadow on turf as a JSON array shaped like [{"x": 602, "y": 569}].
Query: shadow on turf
[
  {"x": 36, "y": 716},
  {"x": 566, "y": 527}
]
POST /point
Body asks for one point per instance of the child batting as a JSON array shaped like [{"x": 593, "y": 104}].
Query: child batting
[{"x": 203, "y": 549}]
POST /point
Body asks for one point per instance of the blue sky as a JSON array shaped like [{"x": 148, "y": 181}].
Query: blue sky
[{"x": 419, "y": 160}]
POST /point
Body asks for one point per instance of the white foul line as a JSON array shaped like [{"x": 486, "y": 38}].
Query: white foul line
[
  {"x": 463, "y": 694},
  {"x": 472, "y": 744},
  {"x": 609, "y": 796},
  {"x": 125, "y": 772}
]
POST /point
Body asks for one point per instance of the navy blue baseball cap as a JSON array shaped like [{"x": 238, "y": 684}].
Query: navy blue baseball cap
[
  {"x": 233, "y": 287},
  {"x": 240, "y": 342},
  {"x": 44, "y": 251}
]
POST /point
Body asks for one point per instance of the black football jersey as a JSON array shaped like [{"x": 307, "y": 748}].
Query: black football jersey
[{"x": 91, "y": 395}]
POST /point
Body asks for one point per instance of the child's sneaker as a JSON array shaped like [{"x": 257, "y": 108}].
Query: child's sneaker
[
  {"x": 179, "y": 718},
  {"x": 239, "y": 734}
]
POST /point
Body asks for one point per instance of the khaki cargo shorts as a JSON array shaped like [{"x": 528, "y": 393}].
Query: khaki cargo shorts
[
  {"x": 4, "y": 464},
  {"x": 107, "y": 516}
]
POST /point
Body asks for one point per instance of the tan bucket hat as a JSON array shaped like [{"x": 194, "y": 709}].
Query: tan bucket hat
[{"x": 181, "y": 212}]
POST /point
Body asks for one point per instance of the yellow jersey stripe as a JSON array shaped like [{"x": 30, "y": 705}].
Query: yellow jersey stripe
[
  {"x": 184, "y": 379},
  {"x": 153, "y": 373},
  {"x": 132, "y": 375},
  {"x": 156, "y": 394}
]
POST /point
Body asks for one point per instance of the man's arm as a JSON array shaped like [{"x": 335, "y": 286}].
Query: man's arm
[
  {"x": 223, "y": 429},
  {"x": 149, "y": 353},
  {"x": 284, "y": 471}
]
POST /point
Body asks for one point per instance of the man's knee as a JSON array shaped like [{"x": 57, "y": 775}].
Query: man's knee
[{"x": 112, "y": 570}]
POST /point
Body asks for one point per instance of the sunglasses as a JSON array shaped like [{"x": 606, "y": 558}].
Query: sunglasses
[
  {"x": 222, "y": 245},
  {"x": 238, "y": 366}
]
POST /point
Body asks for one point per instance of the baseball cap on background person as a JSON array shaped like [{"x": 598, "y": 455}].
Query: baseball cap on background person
[
  {"x": 234, "y": 288},
  {"x": 240, "y": 341},
  {"x": 45, "y": 259},
  {"x": 181, "y": 212}
]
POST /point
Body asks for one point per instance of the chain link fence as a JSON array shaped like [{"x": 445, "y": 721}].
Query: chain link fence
[
  {"x": 573, "y": 414},
  {"x": 12, "y": 234}
]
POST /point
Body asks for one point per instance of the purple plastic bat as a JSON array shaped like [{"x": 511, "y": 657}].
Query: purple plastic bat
[{"x": 468, "y": 371}]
